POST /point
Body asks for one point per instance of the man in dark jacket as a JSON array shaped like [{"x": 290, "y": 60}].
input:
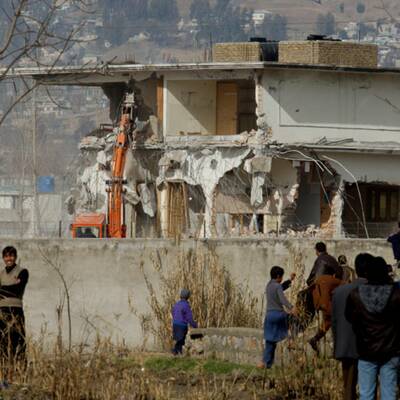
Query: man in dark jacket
[
  {"x": 322, "y": 262},
  {"x": 373, "y": 311},
  {"x": 344, "y": 339},
  {"x": 394, "y": 240}
]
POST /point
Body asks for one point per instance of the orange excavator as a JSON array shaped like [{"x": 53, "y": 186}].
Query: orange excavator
[{"x": 112, "y": 225}]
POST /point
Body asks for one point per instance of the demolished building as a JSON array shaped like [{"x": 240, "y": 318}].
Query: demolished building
[{"x": 248, "y": 148}]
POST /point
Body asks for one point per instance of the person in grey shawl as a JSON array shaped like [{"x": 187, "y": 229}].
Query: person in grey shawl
[{"x": 344, "y": 339}]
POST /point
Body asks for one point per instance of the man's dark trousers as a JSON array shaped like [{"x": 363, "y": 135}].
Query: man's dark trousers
[
  {"x": 179, "y": 335},
  {"x": 350, "y": 371}
]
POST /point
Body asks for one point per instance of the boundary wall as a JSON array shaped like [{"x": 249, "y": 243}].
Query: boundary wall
[{"x": 106, "y": 283}]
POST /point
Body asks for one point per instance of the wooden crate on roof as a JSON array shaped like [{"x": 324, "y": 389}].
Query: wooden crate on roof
[
  {"x": 237, "y": 52},
  {"x": 327, "y": 52}
]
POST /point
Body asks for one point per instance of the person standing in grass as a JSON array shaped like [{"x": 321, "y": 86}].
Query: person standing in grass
[
  {"x": 276, "y": 319},
  {"x": 13, "y": 280},
  {"x": 182, "y": 317},
  {"x": 344, "y": 339},
  {"x": 373, "y": 311}
]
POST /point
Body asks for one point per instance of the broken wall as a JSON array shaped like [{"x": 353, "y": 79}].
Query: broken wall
[
  {"x": 347, "y": 198},
  {"x": 94, "y": 169},
  {"x": 260, "y": 197},
  {"x": 379, "y": 205},
  {"x": 282, "y": 201},
  {"x": 148, "y": 124},
  {"x": 369, "y": 169},
  {"x": 204, "y": 168}
]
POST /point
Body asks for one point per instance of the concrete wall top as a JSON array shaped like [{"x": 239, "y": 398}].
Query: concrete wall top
[{"x": 106, "y": 282}]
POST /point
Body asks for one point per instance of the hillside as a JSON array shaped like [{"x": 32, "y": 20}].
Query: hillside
[
  {"x": 297, "y": 9},
  {"x": 301, "y": 14}
]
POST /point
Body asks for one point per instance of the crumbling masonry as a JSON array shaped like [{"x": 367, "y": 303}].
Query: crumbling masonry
[{"x": 244, "y": 149}]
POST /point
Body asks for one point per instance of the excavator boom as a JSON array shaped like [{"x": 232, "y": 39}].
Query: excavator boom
[
  {"x": 90, "y": 225},
  {"x": 116, "y": 226}
]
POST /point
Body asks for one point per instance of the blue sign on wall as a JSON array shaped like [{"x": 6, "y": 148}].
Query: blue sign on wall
[{"x": 45, "y": 184}]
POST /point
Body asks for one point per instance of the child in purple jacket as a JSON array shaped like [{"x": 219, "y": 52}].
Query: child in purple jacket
[{"x": 182, "y": 317}]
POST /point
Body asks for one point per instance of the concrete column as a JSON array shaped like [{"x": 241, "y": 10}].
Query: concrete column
[
  {"x": 163, "y": 193},
  {"x": 337, "y": 211}
]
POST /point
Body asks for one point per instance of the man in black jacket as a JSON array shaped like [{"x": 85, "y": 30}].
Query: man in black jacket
[
  {"x": 344, "y": 339},
  {"x": 373, "y": 311},
  {"x": 322, "y": 262}
]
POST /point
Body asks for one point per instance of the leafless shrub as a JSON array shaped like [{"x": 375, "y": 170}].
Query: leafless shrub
[
  {"x": 53, "y": 261},
  {"x": 303, "y": 375},
  {"x": 297, "y": 266},
  {"x": 216, "y": 301}
]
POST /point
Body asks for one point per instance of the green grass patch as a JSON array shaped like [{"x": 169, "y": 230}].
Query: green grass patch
[
  {"x": 186, "y": 364},
  {"x": 159, "y": 364},
  {"x": 126, "y": 362}
]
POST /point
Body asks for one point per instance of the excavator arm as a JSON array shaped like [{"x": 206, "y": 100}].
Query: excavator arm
[{"x": 116, "y": 227}]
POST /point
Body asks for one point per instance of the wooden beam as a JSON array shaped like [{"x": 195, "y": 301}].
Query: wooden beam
[{"x": 160, "y": 99}]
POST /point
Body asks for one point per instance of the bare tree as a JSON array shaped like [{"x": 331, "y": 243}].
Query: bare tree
[
  {"x": 53, "y": 261},
  {"x": 32, "y": 33},
  {"x": 389, "y": 13}
]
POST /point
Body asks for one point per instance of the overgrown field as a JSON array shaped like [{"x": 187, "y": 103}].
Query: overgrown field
[{"x": 108, "y": 372}]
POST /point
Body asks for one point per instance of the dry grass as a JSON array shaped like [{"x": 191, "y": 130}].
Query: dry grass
[
  {"x": 115, "y": 372},
  {"x": 109, "y": 372},
  {"x": 216, "y": 301},
  {"x": 77, "y": 375},
  {"x": 302, "y": 375}
]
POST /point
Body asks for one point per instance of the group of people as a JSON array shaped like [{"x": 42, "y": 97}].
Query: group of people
[
  {"x": 363, "y": 311},
  {"x": 361, "y": 306}
]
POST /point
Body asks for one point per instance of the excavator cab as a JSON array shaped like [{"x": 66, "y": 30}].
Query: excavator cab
[{"x": 89, "y": 225}]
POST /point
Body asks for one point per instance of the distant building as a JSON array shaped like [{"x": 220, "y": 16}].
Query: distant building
[
  {"x": 17, "y": 216},
  {"x": 259, "y": 16}
]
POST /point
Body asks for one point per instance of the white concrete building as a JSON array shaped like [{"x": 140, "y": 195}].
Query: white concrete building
[
  {"x": 254, "y": 148},
  {"x": 259, "y": 16}
]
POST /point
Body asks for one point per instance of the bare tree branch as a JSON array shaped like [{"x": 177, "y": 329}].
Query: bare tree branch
[
  {"x": 11, "y": 30},
  {"x": 30, "y": 33},
  {"x": 55, "y": 265},
  {"x": 385, "y": 9},
  {"x": 18, "y": 100},
  {"x": 54, "y": 101}
]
